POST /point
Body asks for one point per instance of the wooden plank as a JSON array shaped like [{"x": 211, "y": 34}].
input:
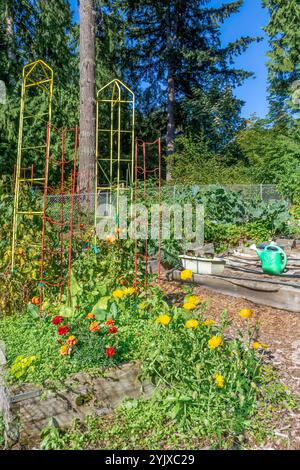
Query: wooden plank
[
  {"x": 281, "y": 297},
  {"x": 24, "y": 396}
]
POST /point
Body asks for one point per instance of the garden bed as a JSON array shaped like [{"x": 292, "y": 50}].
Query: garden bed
[
  {"x": 83, "y": 394},
  {"x": 280, "y": 330},
  {"x": 215, "y": 381}
]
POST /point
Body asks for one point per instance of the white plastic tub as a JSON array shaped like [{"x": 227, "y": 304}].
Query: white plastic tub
[{"x": 203, "y": 265}]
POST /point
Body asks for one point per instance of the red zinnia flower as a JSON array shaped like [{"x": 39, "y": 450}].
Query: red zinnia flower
[
  {"x": 113, "y": 330},
  {"x": 63, "y": 330},
  {"x": 110, "y": 323},
  {"x": 110, "y": 352},
  {"x": 57, "y": 320}
]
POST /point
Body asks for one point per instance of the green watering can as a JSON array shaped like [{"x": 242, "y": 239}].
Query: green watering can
[{"x": 273, "y": 259}]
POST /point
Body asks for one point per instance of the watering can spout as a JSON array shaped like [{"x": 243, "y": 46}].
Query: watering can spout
[{"x": 254, "y": 247}]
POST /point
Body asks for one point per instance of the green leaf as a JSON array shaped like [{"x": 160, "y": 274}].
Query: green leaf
[
  {"x": 33, "y": 311},
  {"x": 113, "y": 311},
  {"x": 67, "y": 311},
  {"x": 102, "y": 303},
  {"x": 100, "y": 314}
]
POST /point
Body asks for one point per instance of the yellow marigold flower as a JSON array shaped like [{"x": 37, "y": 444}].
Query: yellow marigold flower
[
  {"x": 163, "y": 320},
  {"x": 194, "y": 299},
  {"x": 257, "y": 345},
  {"x": 129, "y": 291},
  {"x": 191, "y": 324},
  {"x": 71, "y": 341},
  {"x": 189, "y": 306},
  {"x": 95, "y": 326},
  {"x": 118, "y": 294},
  {"x": 90, "y": 316},
  {"x": 219, "y": 379},
  {"x": 246, "y": 313},
  {"x": 209, "y": 323},
  {"x": 214, "y": 342},
  {"x": 65, "y": 350},
  {"x": 186, "y": 274}
]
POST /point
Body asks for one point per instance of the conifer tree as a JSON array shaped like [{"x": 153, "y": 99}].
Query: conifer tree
[
  {"x": 175, "y": 47},
  {"x": 283, "y": 30}
]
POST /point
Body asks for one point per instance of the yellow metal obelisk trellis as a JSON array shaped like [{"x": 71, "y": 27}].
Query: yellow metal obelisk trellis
[
  {"x": 35, "y": 113},
  {"x": 114, "y": 148}
]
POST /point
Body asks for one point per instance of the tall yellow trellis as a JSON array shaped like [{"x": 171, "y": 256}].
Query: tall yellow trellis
[
  {"x": 37, "y": 76},
  {"x": 115, "y": 122}
]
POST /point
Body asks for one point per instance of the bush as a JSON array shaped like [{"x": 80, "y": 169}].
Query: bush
[{"x": 196, "y": 164}]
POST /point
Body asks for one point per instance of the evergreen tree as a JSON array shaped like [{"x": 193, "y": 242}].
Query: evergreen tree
[
  {"x": 40, "y": 29},
  {"x": 284, "y": 65},
  {"x": 175, "y": 48}
]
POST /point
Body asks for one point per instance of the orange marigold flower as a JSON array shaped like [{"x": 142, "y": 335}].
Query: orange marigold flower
[
  {"x": 65, "y": 350},
  {"x": 122, "y": 281},
  {"x": 95, "y": 326},
  {"x": 90, "y": 316},
  {"x": 110, "y": 239},
  {"x": 71, "y": 341}
]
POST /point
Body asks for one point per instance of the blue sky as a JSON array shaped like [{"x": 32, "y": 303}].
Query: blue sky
[{"x": 248, "y": 22}]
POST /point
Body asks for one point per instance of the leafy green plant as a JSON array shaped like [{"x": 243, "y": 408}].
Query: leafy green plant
[
  {"x": 22, "y": 366},
  {"x": 51, "y": 438}
]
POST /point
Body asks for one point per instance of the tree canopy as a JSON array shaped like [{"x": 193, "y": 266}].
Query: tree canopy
[{"x": 172, "y": 54}]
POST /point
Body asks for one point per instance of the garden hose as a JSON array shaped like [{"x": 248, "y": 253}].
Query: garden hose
[
  {"x": 286, "y": 284},
  {"x": 252, "y": 271}
]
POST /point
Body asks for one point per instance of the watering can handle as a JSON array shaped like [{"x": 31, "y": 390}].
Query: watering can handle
[{"x": 285, "y": 259}]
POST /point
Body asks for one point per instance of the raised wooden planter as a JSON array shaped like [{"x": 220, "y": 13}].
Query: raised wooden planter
[
  {"x": 203, "y": 265},
  {"x": 83, "y": 395},
  {"x": 273, "y": 295}
]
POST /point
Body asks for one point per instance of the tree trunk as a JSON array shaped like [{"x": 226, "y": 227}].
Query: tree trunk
[
  {"x": 171, "y": 123},
  {"x": 87, "y": 144},
  {"x": 10, "y": 34},
  {"x": 171, "y": 21}
]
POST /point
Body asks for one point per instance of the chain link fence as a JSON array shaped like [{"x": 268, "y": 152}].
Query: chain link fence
[
  {"x": 265, "y": 192},
  {"x": 84, "y": 202}
]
